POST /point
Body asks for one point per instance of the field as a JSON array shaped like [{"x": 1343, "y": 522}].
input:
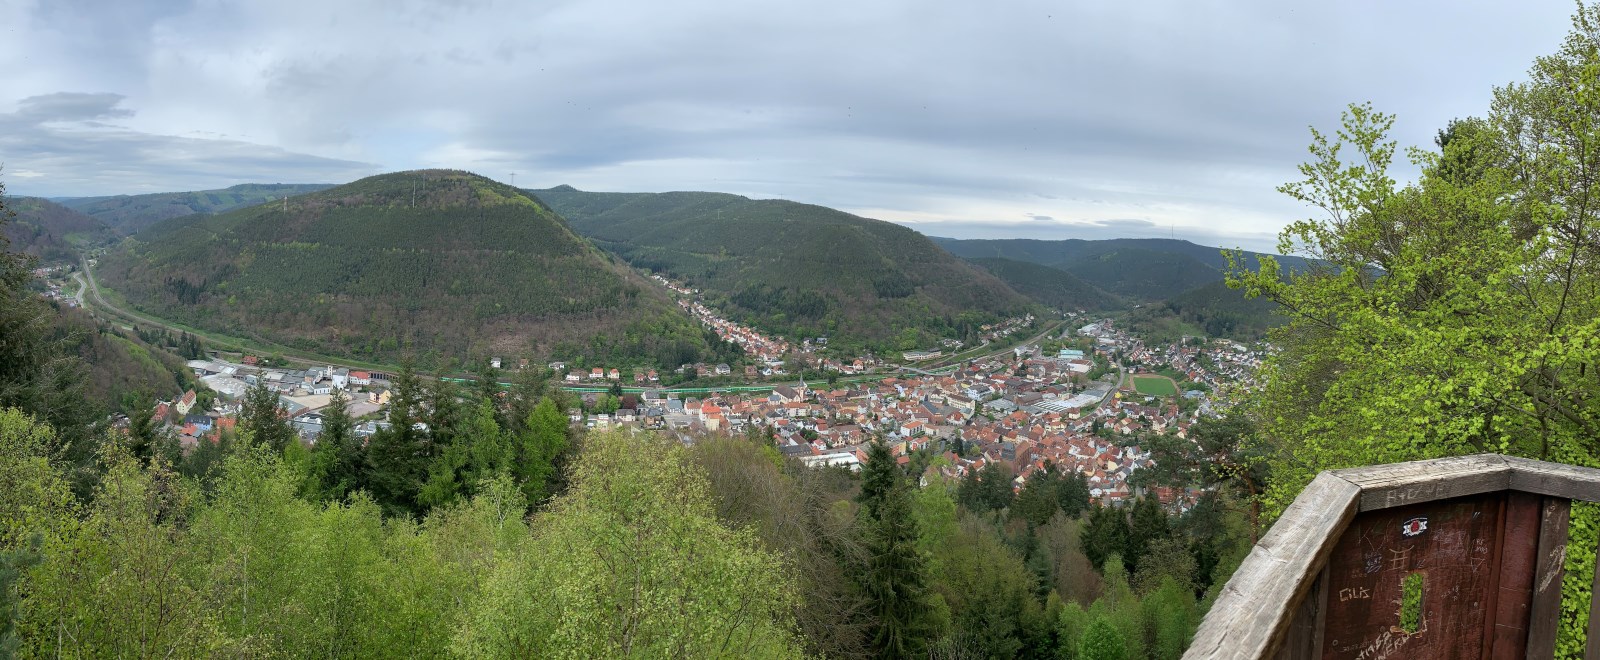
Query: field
[{"x": 1155, "y": 386}]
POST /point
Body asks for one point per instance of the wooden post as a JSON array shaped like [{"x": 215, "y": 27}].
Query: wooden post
[{"x": 1545, "y": 613}]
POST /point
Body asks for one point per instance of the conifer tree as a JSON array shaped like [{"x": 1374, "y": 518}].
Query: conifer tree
[
  {"x": 540, "y": 451},
  {"x": 261, "y": 416},
  {"x": 396, "y": 456},
  {"x": 895, "y": 583}
]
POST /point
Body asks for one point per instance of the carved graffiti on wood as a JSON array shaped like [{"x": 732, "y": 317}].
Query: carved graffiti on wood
[{"x": 1453, "y": 541}]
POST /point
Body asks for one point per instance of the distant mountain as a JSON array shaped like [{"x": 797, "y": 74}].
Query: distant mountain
[
  {"x": 797, "y": 269},
  {"x": 130, "y": 214},
  {"x": 50, "y": 231},
  {"x": 1144, "y": 268},
  {"x": 1212, "y": 310},
  {"x": 1049, "y": 286},
  {"x": 433, "y": 264}
]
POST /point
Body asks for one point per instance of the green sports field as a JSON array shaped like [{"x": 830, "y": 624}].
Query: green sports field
[{"x": 1155, "y": 386}]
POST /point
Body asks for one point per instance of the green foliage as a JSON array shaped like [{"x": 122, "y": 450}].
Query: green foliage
[
  {"x": 643, "y": 570},
  {"x": 50, "y": 231},
  {"x": 465, "y": 268},
  {"x": 986, "y": 489},
  {"x": 35, "y": 374},
  {"x": 1102, "y": 641},
  {"x": 1049, "y": 286},
  {"x": 1106, "y": 534},
  {"x": 1411, "y": 602},
  {"x": 1048, "y": 492},
  {"x": 1212, "y": 310},
  {"x": 1454, "y": 315},
  {"x": 541, "y": 450},
  {"x": 397, "y": 455},
  {"x": 794, "y": 269},
  {"x": 264, "y": 420},
  {"x": 895, "y": 580}
]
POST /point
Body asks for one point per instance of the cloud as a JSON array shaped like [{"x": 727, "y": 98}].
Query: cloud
[
  {"x": 1179, "y": 114},
  {"x": 61, "y": 144}
]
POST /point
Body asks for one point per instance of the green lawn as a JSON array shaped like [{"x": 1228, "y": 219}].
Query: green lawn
[{"x": 1155, "y": 386}]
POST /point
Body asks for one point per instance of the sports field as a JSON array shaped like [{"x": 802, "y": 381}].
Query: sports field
[{"x": 1155, "y": 386}]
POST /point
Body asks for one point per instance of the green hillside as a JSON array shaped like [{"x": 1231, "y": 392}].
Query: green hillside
[
  {"x": 1213, "y": 310},
  {"x": 1142, "y": 274},
  {"x": 50, "y": 231},
  {"x": 1049, "y": 286},
  {"x": 130, "y": 214},
  {"x": 795, "y": 269},
  {"x": 441, "y": 265},
  {"x": 1144, "y": 268},
  {"x": 125, "y": 372}
]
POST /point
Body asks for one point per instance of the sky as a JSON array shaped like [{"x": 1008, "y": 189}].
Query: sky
[{"x": 1033, "y": 119}]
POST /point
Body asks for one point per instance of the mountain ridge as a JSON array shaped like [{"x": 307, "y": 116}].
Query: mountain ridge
[
  {"x": 793, "y": 268},
  {"x": 437, "y": 263}
]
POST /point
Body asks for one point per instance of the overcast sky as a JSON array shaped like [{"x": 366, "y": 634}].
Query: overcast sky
[{"x": 970, "y": 119}]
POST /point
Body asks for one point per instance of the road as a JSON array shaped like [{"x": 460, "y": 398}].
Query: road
[{"x": 82, "y": 285}]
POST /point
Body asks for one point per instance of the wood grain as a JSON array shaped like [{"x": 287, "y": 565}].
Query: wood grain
[
  {"x": 1401, "y": 484},
  {"x": 1251, "y": 615},
  {"x": 1554, "y": 479},
  {"x": 1545, "y": 612}
]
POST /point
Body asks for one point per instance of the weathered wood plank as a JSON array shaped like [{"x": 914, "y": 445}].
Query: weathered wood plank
[
  {"x": 1400, "y": 484},
  {"x": 1518, "y": 562},
  {"x": 1304, "y": 639},
  {"x": 1546, "y": 607},
  {"x": 1251, "y": 615},
  {"x": 1554, "y": 479}
]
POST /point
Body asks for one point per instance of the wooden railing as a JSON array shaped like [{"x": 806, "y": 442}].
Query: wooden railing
[{"x": 1449, "y": 558}]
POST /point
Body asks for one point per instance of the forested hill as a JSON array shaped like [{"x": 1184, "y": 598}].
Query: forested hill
[
  {"x": 130, "y": 214},
  {"x": 1050, "y": 286},
  {"x": 1144, "y": 268},
  {"x": 1212, "y": 310},
  {"x": 436, "y": 264},
  {"x": 50, "y": 231},
  {"x": 793, "y": 268}
]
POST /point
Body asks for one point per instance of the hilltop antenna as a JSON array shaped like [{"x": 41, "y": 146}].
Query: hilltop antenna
[
  {"x": 413, "y": 194},
  {"x": 285, "y": 203},
  {"x": 513, "y": 179}
]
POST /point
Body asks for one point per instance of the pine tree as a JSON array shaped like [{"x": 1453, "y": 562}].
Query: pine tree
[
  {"x": 1105, "y": 535},
  {"x": 263, "y": 419},
  {"x": 1148, "y": 524},
  {"x": 878, "y": 477},
  {"x": 540, "y": 451},
  {"x": 396, "y": 456},
  {"x": 896, "y": 582},
  {"x": 339, "y": 460}
]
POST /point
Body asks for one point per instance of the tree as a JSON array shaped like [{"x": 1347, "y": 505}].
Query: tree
[
  {"x": 1147, "y": 525},
  {"x": 895, "y": 582},
  {"x": 631, "y": 562},
  {"x": 1453, "y": 315},
  {"x": 879, "y": 476},
  {"x": 397, "y": 455},
  {"x": 1102, "y": 641},
  {"x": 37, "y": 375},
  {"x": 541, "y": 450},
  {"x": 261, "y": 417},
  {"x": 1105, "y": 535}
]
